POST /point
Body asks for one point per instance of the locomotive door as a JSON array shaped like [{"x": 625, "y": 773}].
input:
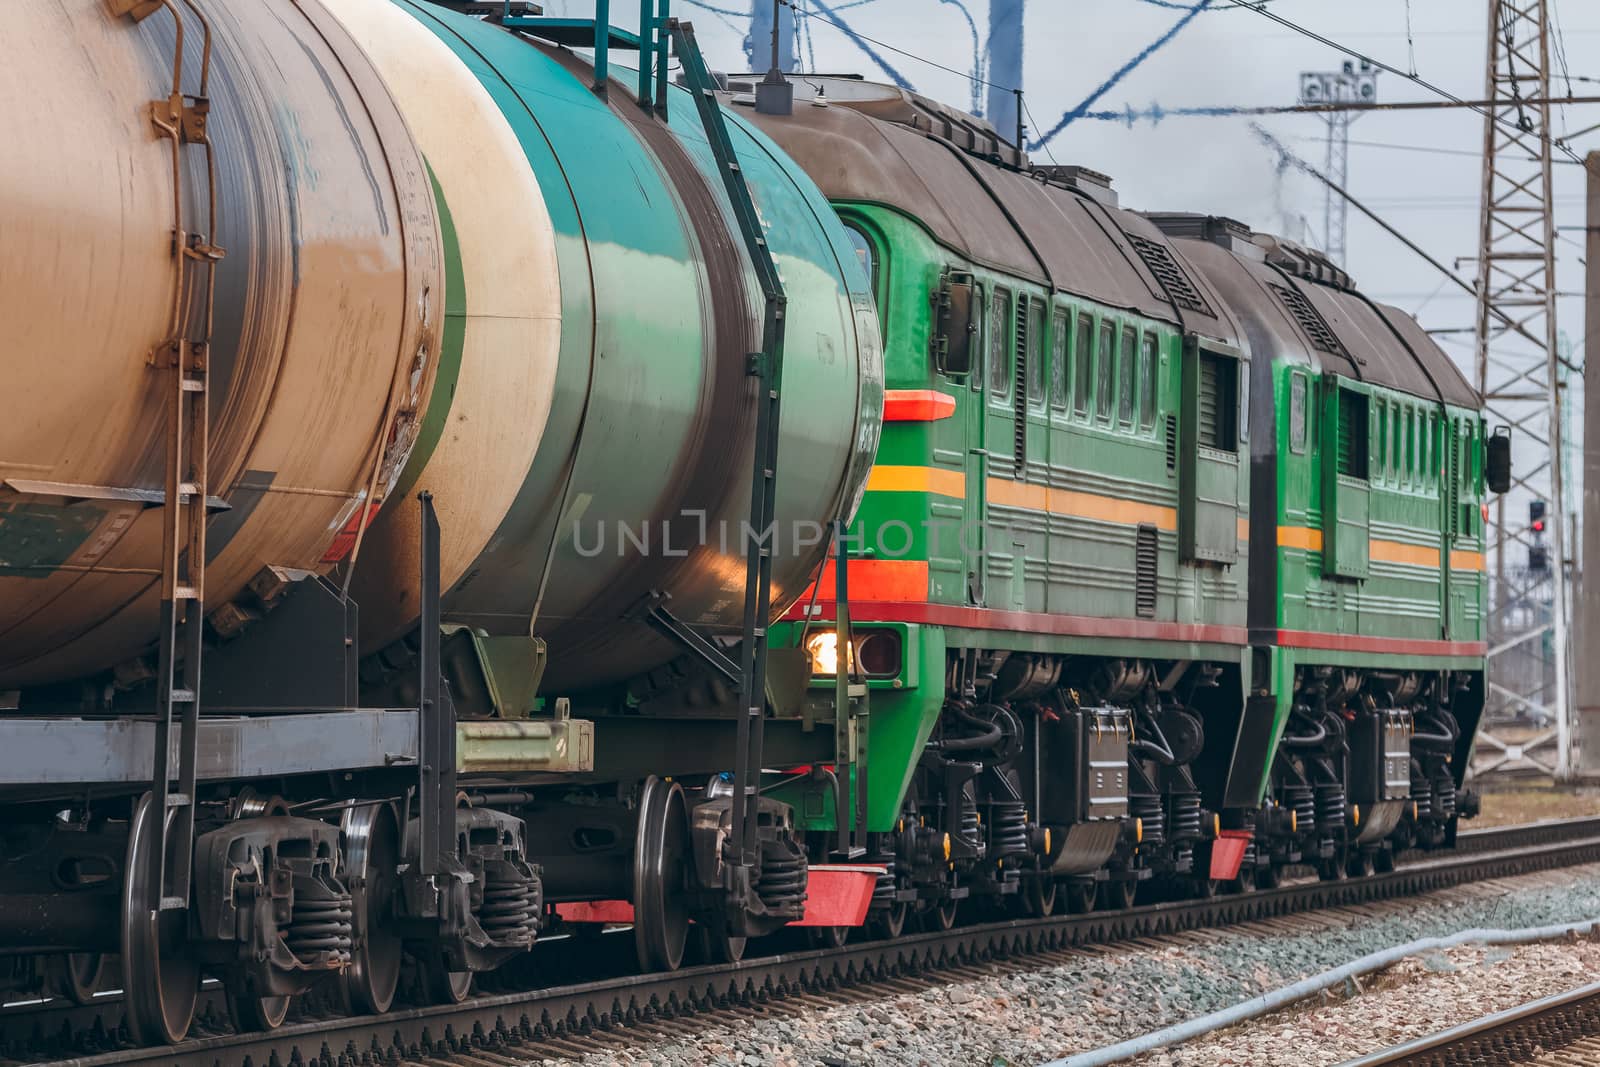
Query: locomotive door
[{"x": 973, "y": 535}]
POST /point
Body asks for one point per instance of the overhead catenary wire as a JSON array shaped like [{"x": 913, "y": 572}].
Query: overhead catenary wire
[
  {"x": 1487, "y": 112},
  {"x": 1286, "y": 155}
]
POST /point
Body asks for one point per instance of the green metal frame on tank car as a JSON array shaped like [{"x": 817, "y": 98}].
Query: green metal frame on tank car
[{"x": 1056, "y": 547}]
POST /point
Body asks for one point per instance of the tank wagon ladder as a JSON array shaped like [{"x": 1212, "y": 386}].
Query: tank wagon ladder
[{"x": 183, "y": 357}]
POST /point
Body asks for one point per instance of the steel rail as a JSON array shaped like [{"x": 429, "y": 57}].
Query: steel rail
[
  {"x": 1517, "y": 1035},
  {"x": 517, "y": 1024}
]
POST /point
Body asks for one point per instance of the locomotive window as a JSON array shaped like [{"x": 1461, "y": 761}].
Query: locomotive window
[
  {"x": 1147, "y": 382},
  {"x": 1297, "y": 412},
  {"x": 866, "y": 258},
  {"x": 1058, "y": 362},
  {"x": 1082, "y": 360},
  {"x": 999, "y": 349},
  {"x": 1102, "y": 372},
  {"x": 1381, "y": 421},
  {"x": 1125, "y": 376},
  {"x": 979, "y": 340},
  {"x": 1244, "y": 401},
  {"x": 1036, "y": 350}
]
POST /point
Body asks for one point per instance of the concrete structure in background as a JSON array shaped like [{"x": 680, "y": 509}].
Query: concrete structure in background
[
  {"x": 1527, "y": 721},
  {"x": 1005, "y": 66},
  {"x": 758, "y": 46},
  {"x": 1588, "y": 613}
]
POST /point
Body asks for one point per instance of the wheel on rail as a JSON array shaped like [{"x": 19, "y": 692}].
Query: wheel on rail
[
  {"x": 371, "y": 854},
  {"x": 660, "y": 864},
  {"x": 248, "y": 1010},
  {"x": 161, "y": 982},
  {"x": 77, "y": 975},
  {"x": 1079, "y": 896},
  {"x": 1335, "y": 868},
  {"x": 1360, "y": 864},
  {"x": 1269, "y": 876},
  {"x": 941, "y": 916},
  {"x": 715, "y": 944},
  {"x": 890, "y": 922},
  {"x": 1038, "y": 896},
  {"x": 827, "y": 936},
  {"x": 1244, "y": 881},
  {"x": 1202, "y": 888},
  {"x": 1383, "y": 860},
  {"x": 443, "y": 985},
  {"x": 1118, "y": 893}
]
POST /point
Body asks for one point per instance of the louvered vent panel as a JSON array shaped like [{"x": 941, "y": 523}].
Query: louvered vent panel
[
  {"x": 1209, "y": 412},
  {"x": 1145, "y": 556},
  {"x": 1171, "y": 276},
  {"x": 1172, "y": 442},
  {"x": 1353, "y": 431},
  {"x": 1310, "y": 319}
]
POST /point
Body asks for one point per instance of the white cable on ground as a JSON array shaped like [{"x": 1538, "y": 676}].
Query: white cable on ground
[{"x": 1278, "y": 998}]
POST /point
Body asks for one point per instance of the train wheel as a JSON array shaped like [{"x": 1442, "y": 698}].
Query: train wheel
[
  {"x": 1361, "y": 864},
  {"x": 942, "y": 916},
  {"x": 1335, "y": 868},
  {"x": 828, "y": 936},
  {"x": 371, "y": 870},
  {"x": 1269, "y": 877},
  {"x": 1246, "y": 880},
  {"x": 160, "y": 982},
  {"x": 1039, "y": 896},
  {"x": 1383, "y": 860},
  {"x": 660, "y": 858},
  {"x": 716, "y": 944},
  {"x": 891, "y": 921},
  {"x": 248, "y": 1010},
  {"x": 1118, "y": 893},
  {"x": 444, "y": 986},
  {"x": 1080, "y": 897},
  {"x": 77, "y": 975}
]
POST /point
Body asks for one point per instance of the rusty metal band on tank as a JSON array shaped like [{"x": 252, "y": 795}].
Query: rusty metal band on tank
[{"x": 1108, "y": 549}]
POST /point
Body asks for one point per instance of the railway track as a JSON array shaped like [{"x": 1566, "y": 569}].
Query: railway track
[
  {"x": 521, "y": 1017},
  {"x": 1560, "y": 1031}
]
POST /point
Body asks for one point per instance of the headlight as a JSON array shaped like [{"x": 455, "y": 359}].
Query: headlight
[{"x": 823, "y": 648}]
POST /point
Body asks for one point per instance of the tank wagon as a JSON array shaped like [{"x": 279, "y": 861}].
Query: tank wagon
[
  {"x": 1173, "y": 548},
  {"x": 274, "y": 270},
  {"x": 459, "y": 491}
]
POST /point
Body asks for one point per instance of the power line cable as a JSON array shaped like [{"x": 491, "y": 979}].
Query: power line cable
[
  {"x": 1487, "y": 113},
  {"x": 1121, "y": 72}
]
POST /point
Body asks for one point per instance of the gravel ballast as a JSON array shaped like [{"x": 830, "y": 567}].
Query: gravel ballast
[
  {"x": 1413, "y": 999},
  {"x": 1108, "y": 994}
]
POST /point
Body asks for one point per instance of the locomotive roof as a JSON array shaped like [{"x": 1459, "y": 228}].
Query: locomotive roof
[
  {"x": 1061, "y": 227},
  {"x": 875, "y": 143},
  {"x": 1296, "y": 305}
]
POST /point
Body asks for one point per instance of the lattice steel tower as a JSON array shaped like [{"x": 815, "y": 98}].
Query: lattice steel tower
[
  {"x": 1518, "y": 365},
  {"x": 1347, "y": 86}
]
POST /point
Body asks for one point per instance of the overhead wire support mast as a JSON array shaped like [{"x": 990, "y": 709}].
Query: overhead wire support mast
[{"x": 1520, "y": 381}]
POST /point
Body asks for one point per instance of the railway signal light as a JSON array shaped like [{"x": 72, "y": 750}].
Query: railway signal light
[{"x": 1536, "y": 516}]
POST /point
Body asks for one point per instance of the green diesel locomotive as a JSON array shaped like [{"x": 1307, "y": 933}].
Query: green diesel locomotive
[{"x": 1170, "y": 568}]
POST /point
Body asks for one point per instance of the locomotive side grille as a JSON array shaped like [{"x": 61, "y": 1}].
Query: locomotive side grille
[
  {"x": 1310, "y": 319},
  {"x": 1169, "y": 274},
  {"x": 1353, "y": 431},
  {"x": 1144, "y": 585},
  {"x": 1172, "y": 443}
]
